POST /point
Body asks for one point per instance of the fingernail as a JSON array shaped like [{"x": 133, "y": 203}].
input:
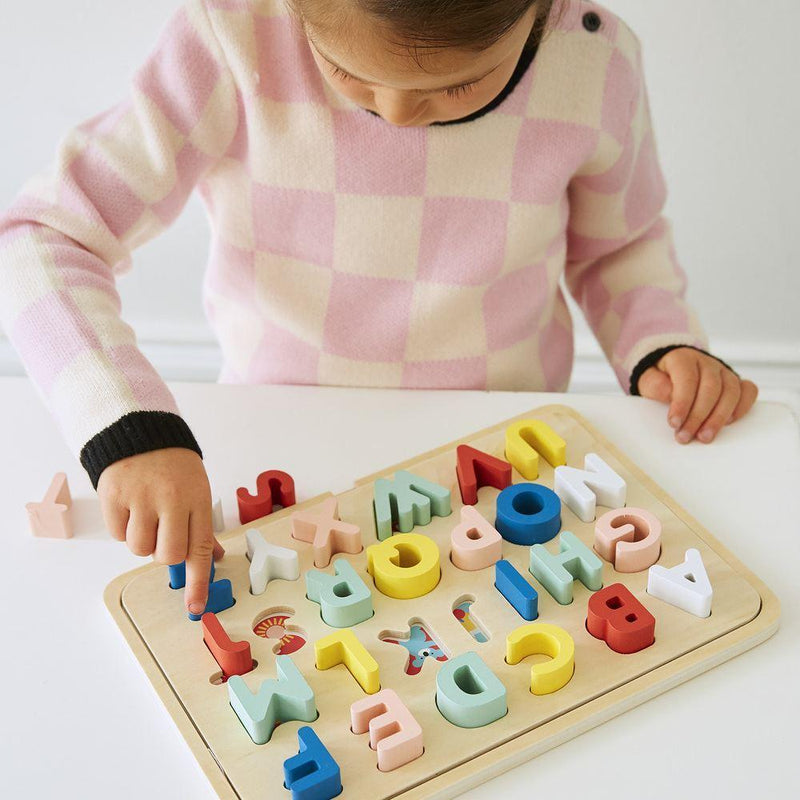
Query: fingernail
[
  {"x": 196, "y": 608},
  {"x": 684, "y": 437},
  {"x": 705, "y": 436},
  {"x": 675, "y": 422}
]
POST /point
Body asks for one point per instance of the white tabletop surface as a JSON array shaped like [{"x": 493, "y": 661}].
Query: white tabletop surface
[{"x": 80, "y": 720}]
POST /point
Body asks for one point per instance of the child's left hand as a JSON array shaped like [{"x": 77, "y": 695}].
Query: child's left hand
[{"x": 702, "y": 393}]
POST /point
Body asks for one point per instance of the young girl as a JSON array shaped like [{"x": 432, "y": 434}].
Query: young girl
[{"x": 395, "y": 190}]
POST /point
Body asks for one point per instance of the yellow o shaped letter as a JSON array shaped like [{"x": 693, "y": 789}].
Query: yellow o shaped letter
[{"x": 404, "y": 566}]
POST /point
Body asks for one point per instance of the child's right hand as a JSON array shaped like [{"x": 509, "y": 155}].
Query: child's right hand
[{"x": 160, "y": 504}]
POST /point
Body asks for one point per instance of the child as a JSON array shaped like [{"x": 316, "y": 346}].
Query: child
[{"x": 395, "y": 189}]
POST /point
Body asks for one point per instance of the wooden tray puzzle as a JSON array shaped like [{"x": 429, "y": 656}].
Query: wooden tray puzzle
[{"x": 181, "y": 668}]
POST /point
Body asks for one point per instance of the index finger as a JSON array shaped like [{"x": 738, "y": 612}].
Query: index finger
[{"x": 198, "y": 559}]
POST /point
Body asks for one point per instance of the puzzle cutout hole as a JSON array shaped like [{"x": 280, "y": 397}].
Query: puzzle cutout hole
[
  {"x": 274, "y": 624},
  {"x": 421, "y": 642},
  {"x": 468, "y": 619},
  {"x": 219, "y": 679}
]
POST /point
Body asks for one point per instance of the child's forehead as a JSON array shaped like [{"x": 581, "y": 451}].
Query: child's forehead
[{"x": 369, "y": 50}]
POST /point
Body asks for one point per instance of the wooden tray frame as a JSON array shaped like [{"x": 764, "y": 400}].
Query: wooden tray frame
[{"x": 542, "y": 738}]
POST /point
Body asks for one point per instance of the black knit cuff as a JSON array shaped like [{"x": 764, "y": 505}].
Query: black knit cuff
[
  {"x": 137, "y": 432},
  {"x": 653, "y": 358}
]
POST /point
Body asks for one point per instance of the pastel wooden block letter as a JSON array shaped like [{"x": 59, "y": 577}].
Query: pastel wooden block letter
[
  {"x": 345, "y": 600},
  {"x": 685, "y": 586},
  {"x": 53, "y": 516},
  {"x": 468, "y": 693},
  {"x": 412, "y": 497},
  {"x": 582, "y": 489},
  {"x": 326, "y": 532},
  {"x": 393, "y": 731},
  {"x": 630, "y": 538},
  {"x": 217, "y": 517},
  {"x": 289, "y": 697},
  {"x": 475, "y": 543},
  {"x": 557, "y": 573},
  {"x": 269, "y": 562}
]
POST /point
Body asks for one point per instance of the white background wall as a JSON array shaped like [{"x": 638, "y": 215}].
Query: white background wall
[{"x": 722, "y": 76}]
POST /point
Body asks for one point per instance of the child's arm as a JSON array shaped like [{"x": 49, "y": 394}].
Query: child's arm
[
  {"x": 622, "y": 268},
  {"x": 118, "y": 180}
]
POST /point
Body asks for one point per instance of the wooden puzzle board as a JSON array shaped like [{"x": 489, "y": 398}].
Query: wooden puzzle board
[{"x": 605, "y": 683}]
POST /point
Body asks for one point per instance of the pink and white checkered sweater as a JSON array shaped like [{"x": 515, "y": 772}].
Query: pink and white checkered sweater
[{"x": 345, "y": 250}]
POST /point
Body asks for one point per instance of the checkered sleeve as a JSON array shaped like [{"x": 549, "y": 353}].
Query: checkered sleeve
[
  {"x": 118, "y": 180},
  {"x": 621, "y": 263}
]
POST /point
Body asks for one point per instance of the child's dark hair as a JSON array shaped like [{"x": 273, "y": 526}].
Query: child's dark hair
[{"x": 421, "y": 25}]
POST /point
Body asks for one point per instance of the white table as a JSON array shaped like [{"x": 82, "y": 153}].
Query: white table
[{"x": 80, "y": 720}]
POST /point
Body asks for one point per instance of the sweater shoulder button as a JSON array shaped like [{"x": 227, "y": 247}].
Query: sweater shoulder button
[{"x": 592, "y": 21}]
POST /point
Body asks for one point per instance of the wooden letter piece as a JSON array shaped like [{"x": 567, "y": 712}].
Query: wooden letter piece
[
  {"x": 582, "y": 489},
  {"x": 405, "y": 566},
  {"x": 234, "y": 658},
  {"x": 524, "y": 599},
  {"x": 313, "y": 773},
  {"x": 342, "y": 647},
  {"x": 475, "y": 543},
  {"x": 630, "y": 538},
  {"x": 393, "y": 731},
  {"x": 616, "y": 616},
  {"x": 272, "y": 487},
  {"x": 468, "y": 693},
  {"x": 414, "y": 499},
  {"x": 529, "y": 437},
  {"x": 543, "y": 639},
  {"x": 344, "y": 599},
  {"x": 575, "y": 561},
  {"x": 474, "y": 469},
  {"x": 269, "y": 562},
  {"x": 327, "y": 533},
  {"x": 527, "y": 513},
  {"x": 685, "y": 586},
  {"x": 287, "y": 698},
  {"x": 52, "y": 517},
  {"x": 217, "y": 517}
]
